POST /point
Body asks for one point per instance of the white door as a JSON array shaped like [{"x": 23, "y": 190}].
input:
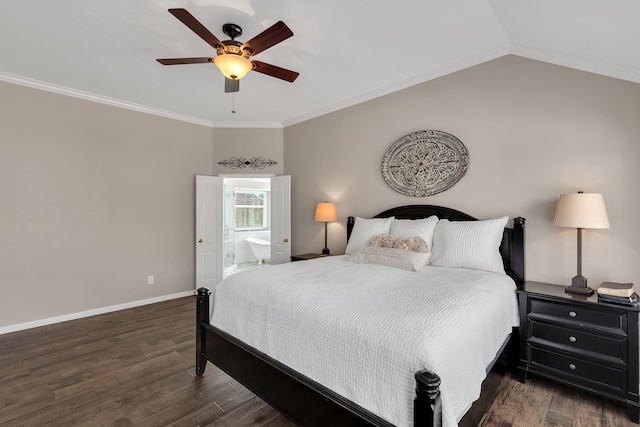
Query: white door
[
  {"x": 280, "y": 219},
  {"x": 209, "y": 227}
]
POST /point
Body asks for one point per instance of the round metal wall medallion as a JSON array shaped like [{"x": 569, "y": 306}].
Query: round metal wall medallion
[{"x": 425, "y": 163}]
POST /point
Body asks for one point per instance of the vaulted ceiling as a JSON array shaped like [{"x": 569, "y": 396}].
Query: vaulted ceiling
[{"x": 346, "y": 51}]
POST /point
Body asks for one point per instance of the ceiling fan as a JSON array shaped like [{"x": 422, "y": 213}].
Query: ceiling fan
[{"x": 232, "y": 56}]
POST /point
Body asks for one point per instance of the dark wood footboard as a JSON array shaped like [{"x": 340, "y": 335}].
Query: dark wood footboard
[{"x": 298, "y": 397}]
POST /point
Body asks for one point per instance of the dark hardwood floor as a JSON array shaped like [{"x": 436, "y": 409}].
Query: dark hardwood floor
[{"x": 136, "y": 368}]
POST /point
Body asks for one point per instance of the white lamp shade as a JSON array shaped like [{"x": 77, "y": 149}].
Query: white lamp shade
[
  {"x": 581, "y": 210},
  {"x": 233, "y": 66},
  {"x": 326, "y": 212}
]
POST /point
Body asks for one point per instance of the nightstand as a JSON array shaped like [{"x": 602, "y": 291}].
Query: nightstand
[
  {"x": 578, "y": 341},
  {"x": 305, "y": 257}
]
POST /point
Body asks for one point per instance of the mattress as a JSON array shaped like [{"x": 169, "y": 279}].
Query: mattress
[{"x": 364, "y": 330}]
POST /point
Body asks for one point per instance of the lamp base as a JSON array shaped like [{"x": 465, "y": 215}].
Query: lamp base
[
  {"x": 579, "y": 286},
  {"x": 325, "y": 251},
  {"x": 577, "y": 290}
]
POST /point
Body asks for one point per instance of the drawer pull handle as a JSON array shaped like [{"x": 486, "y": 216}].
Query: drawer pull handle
[
  {"x": 572, "y": 314},
  {"x": 572, "y": 366},
  {"x": 573, "y": 339}
]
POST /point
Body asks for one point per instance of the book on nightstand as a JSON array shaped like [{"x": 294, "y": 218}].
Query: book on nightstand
[
  {"x": 632, "y": 300},
  {"x": 616, "y": 289}
]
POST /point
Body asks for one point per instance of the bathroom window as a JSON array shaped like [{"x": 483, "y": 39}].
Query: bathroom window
[{"x": 250, "y": 209}]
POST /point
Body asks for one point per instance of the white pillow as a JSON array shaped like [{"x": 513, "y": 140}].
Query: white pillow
[
  {"x": 469, "y": 244},
  {"x": 365, "y": 229},
  {"x": 422, "y": 228},
  {"x": 398, "y": 258}
]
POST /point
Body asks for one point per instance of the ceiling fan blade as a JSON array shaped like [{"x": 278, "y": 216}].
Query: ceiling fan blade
[
  {"x": 231, "y": 85},
  {"x": 177, "y": 61},
  {"x": 190, "y": 21},
  {"x": 274, "y": 71},
  {"x": 269, "y": 37}
]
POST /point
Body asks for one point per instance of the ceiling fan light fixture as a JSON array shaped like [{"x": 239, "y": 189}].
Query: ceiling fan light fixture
[{"x": 233, "y": 66}]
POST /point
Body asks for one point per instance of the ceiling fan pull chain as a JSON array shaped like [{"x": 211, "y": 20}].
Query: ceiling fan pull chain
[{"x": 233, "y": 107}]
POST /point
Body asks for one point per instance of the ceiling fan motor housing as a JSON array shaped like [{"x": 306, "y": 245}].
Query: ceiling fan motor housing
[
  {"x": 232, "y": 30},
  {"x": 234, "y": 48}
]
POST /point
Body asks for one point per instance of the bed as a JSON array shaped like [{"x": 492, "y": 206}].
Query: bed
[{"x": 319, "y": 397}]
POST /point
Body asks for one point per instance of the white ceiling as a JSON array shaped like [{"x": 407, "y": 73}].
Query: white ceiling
[{"x": 346, "y": 51}]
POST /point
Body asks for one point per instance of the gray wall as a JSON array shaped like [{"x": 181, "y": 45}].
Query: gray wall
[
  {"x": 533, "y": 131},
  {"x": 95, "y": 198}
]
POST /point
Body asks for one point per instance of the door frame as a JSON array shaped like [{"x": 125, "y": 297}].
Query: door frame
[
  {"x": 285, "y": 246},
  {"x": 249, "y": 175}
]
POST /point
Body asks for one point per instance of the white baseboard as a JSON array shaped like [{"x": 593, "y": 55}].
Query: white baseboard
[{"x": 94, "y": 312}]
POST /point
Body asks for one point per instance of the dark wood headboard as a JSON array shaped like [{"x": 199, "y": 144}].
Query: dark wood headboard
[{"x": 511, "y": 248}]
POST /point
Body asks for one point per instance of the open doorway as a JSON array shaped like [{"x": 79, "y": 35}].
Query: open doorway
[
  {"x": 247, "y": 223},
  {"x": 212, "y": 234}
]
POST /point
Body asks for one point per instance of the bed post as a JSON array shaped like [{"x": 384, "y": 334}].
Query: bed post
[
  {"x": 351, "y": 221},
  {"x": 202, "y": 317},
  {"x": 427, "y": 409},
  {"x": 517, "y": 254}
]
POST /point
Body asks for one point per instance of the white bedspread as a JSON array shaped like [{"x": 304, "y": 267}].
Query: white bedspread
[{"x": 364, "y": 330}]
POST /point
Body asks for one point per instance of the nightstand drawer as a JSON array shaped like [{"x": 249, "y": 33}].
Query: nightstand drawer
[
  {"x": 602, "y": 344},
  {"x": 579, "y": 314},
  {"x": 581, "y": 371}
]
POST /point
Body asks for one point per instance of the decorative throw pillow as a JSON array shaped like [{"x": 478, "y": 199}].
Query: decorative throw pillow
[
  {"x": 382, "y": 241},
  {"x": 469, "y": 244},
  {"x": 423, "y": 228},
  {"x": 398, "y": 258},
  {"x": 365, "y": 229},
  {"x": 411, "y": 243}
]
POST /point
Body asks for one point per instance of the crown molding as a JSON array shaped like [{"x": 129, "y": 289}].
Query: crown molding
[
  {"x": 88, "y": 96},
  {"x": 577, "y": 63},
  {"x": 467, "y": 62},
  {"x": 597, "y": 67}
]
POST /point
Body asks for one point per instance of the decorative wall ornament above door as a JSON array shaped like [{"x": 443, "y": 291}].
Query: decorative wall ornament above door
[
  {"x": 425, "y": 163},
  {"x": 253, "y": 163}
]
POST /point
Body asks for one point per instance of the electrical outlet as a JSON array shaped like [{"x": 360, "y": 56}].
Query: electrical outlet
[{"x": 149, "y": 280}]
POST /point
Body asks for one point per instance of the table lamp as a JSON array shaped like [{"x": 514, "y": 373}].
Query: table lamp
[
  {"x": 581, "y": 210},
  {"x": 326, "y": 212}
]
